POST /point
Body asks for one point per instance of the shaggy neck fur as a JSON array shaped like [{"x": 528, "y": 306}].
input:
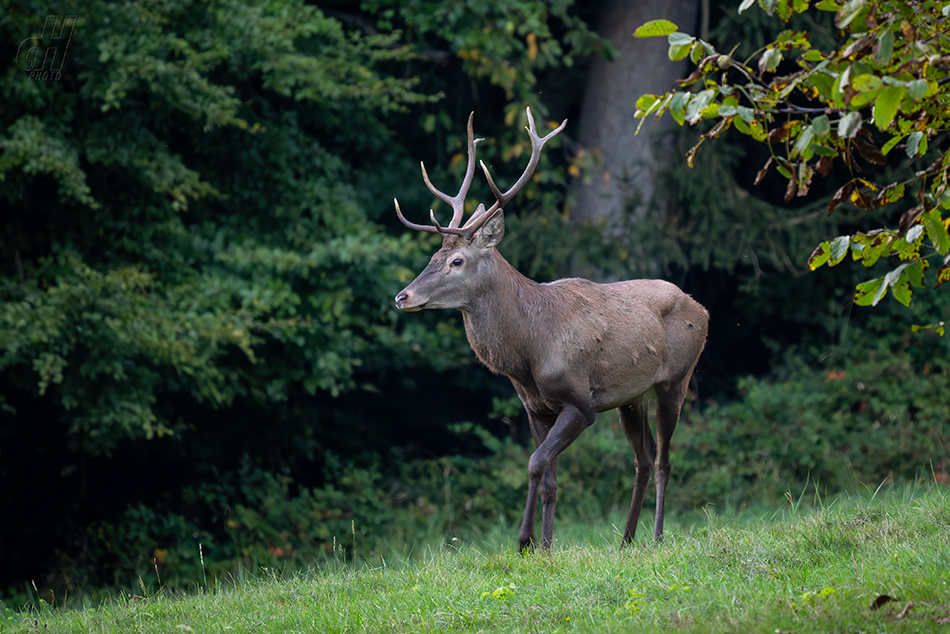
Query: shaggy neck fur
[{"x": 509, "y": 315}]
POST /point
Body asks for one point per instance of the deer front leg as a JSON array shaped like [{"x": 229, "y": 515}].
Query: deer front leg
[
  {"x": 542, "y": 467},
  {"x": 540, "y": 426}
]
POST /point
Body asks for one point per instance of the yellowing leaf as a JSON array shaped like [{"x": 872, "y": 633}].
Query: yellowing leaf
[
  {"x": 656, "y": 28},
  {"x": 943, "y": 275}
]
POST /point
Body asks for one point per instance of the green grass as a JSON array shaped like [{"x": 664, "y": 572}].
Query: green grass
[{"x": 795, "y": 570}]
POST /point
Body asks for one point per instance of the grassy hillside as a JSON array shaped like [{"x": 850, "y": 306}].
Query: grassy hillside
[{"x": 877, "y": 563}]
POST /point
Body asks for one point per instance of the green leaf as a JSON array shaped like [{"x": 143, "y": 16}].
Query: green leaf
[
  {"x": 784, "y": 9},
  {"x": 914, "y": 233},
  {"x": 746, "y": 114},
  {"x": 745, "y": 5},
  {"x": 887, "y": 147},
  {"x": 886, "y": 105},
  {"x": 824, "y": 84},
  {"x": 870, "y": 293},
  {"x": 897, "y": 281},
  {"x": 804, "y": 140},
  {"x": 870, "y": 247},
  {"x": 849, "y": 125},
  {"x": 678, "y": 106},
  {"x": 918, "y": 89},
  {"x": 646, "y": 104},
  {"x": 901, "y": 291},
  {"x": 866, "y": 81},
  {"x": 821, "y": 124},
  {"x": 698, "y": 104},
  {"x": 848, "y": 12},
  {"x": 680, "y": 45},
  {"x": 885, "y": 46},
  {"x": 864, "y": 98},
  {"x": 770, "y": 60},
  {"x": 655, "y": 28},
  {"x": 915, "y": 273},
  {"x": 819, "y": 256},
  {"x": 913, "y": 143},
  {"x": 838, "y": 249},
  {"x": 936, "y": 231}
]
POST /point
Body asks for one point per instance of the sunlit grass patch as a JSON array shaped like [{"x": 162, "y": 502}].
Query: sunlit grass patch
[{"x": 849, "y": 564}]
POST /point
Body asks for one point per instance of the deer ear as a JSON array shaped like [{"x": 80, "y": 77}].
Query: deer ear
[{"x": 491, "y": 233}]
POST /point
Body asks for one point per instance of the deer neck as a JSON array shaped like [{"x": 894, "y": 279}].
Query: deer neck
[{"x": 497, "y": 324}]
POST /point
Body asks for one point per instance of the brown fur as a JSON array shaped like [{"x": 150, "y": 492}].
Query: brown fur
[{"x": 571, "y": 348}]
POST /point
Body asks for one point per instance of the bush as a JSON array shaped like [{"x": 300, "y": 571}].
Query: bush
[
  {"x": 859, "y": 421},
  {"x": 876, "y": 413}
]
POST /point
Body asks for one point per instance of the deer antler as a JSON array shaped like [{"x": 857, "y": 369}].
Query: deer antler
[
  {"x": 457, "y": 202},
  {"x": 478, "y": 220}
]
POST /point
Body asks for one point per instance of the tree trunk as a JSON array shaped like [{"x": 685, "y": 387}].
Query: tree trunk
[{"x": 623, "y": 181}]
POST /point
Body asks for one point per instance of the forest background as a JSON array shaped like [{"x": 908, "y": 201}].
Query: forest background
[{"x": 201, "y": 366}]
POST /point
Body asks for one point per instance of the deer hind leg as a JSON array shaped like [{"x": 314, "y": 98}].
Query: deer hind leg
[
  {"x": 636, "y": 427},
  {"x": 548, "y": 502},
  {"x": 668, "y": 405},
  {"x": 551, "y": 440}
]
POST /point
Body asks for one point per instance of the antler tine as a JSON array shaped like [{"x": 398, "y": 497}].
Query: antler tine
[
  {"x": 469, "y": 172},
  {"x": 481, "y": 215},
  {"x": 413, "y": 225},
  {"x": 502, "y": 199},
  {"x": 438, "y": 194},
  {"x": 491, "y": 182},
  {"x": 443, "y": 230},
  {"x": 457, "y": 202}
]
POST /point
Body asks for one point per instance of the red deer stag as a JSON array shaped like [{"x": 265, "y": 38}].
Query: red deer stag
[{"x": 571, "y": 348}]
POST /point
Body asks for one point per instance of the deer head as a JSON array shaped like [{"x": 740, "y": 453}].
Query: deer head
[{"x": 459, "y": 270}]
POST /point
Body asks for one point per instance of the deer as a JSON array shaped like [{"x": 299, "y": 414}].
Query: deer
[{"x": 572, "y": 348}]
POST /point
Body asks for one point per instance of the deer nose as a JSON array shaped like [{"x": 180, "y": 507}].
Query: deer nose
[{"x": 401, "y": 300}]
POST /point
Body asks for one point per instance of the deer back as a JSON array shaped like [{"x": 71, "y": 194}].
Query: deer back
[{"x": 606, "y": 343}]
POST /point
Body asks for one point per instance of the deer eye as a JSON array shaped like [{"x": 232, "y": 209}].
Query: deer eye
[{"x": 457, "y": 262}]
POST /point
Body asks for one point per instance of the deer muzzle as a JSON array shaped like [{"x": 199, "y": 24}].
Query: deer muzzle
[{"x": 408, "y": 301}]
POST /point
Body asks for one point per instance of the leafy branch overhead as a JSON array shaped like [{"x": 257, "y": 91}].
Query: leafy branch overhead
[{"x": 875, "y": 98}]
